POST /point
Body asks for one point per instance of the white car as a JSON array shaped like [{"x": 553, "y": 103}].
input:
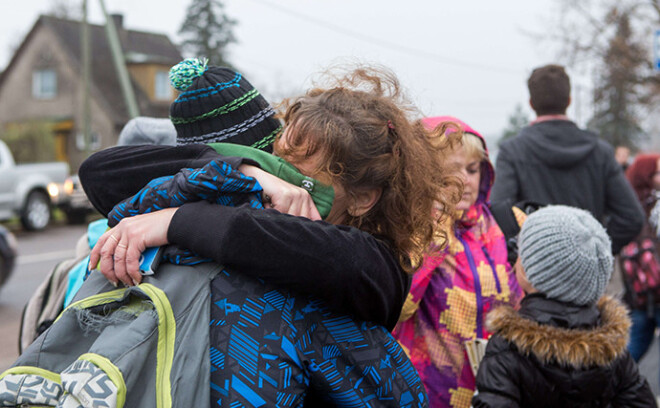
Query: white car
[{"x": 24, "y": 189}]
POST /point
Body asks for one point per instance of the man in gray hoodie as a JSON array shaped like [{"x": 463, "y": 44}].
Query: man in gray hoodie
[{"x": 552, "y": 161}]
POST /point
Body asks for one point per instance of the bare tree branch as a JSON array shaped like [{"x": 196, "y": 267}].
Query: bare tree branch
[{"x": 609, "y": 38}]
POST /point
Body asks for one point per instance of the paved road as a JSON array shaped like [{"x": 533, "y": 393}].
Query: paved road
[
  {"x": 40, "y": 252},
  {"x": 649, "y": 366}
]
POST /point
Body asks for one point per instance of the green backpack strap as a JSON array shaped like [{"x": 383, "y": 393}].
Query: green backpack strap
[{"x": 322, "y": 194}]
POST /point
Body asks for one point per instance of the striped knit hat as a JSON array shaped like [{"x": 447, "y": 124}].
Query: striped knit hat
[
  {"x": 566, "y": 254},
  {"x": 217, "y": 104}
]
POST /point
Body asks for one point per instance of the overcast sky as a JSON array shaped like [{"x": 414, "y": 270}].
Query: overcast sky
[{"x": 467, "y": 58}]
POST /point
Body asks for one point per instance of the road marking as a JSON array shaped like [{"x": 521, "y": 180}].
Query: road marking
[{"x": 47, "y": 256}]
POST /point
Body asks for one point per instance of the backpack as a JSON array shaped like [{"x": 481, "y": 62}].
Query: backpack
[
  {"x": 641, "y": 273},
  {"x": 141, "y": 346},
  {"x": 47, "y": 301}
]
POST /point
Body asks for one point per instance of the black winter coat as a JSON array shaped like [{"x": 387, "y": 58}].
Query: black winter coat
[
  {"x": 554, "y": 354},
  {"x": 555, "y": 162}
]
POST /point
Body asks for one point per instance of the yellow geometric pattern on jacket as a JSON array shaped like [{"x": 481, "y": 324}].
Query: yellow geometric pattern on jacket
[{"x": 441, "y": 311}]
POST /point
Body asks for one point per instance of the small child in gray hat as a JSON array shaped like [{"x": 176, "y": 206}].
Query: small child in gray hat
[{"x": 566, "y": 346}]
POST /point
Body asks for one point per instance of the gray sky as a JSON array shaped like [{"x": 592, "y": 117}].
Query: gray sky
[{"x": 468, "y": 59}]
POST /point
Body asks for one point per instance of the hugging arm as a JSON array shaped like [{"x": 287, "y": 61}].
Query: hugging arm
[
  {"x": 114, "y": 174},
  {"x": 351, "y": 270}
]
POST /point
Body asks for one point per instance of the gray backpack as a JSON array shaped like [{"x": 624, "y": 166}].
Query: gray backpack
[
  {"x": 142, "y": 346},
  {"x": 47, "y": 302}
]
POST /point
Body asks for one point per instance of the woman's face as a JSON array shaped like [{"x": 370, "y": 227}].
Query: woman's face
[
  {"x": 656, "y": 176},
  {"x": 469, "y": 170},
  {"x": 308, "y": 166}
]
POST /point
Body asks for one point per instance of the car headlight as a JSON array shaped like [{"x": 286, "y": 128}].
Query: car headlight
[
  {"x": 68, "y": 186},
  {"x": 53, "y": 190}
]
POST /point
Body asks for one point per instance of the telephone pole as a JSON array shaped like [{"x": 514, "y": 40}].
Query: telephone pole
[
  {"x": 120, "y": 64},
  {"x": 86, "y": 76}
]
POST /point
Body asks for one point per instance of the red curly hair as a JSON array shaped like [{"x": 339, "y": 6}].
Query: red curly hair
[
  {"x": 363, "y": 126},
  {"x": 640, "y": 175}
]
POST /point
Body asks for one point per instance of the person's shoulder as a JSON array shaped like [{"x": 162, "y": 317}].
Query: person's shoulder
[
  {"x": 519, "y": 140},
  {"x": 500, "y": 318},
  {"x": 497, "y": 344},
  {"x": 602, "y": 152},
  {"x": 507, "y": 325},
  {"x": 601, "y": 145},
  {"x": 604, "y": 147}
]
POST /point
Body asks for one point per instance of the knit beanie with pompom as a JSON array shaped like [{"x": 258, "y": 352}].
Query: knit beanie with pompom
[{"x": 217, "y": 104}]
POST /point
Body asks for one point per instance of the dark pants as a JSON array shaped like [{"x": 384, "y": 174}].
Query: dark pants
[{"x": 642, "y": 331}]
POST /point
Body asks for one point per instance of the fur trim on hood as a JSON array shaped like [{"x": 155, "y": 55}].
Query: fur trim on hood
[{"x": 578, "y": 348}]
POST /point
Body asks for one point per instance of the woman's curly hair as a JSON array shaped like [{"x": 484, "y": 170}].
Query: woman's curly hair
[{"x": 363, "y": 126}]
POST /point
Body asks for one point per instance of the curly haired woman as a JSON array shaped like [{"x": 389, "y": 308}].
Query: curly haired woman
[{"x": 358, "y": 136}]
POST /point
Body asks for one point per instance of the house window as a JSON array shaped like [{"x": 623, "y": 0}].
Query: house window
[
  {"x": 163, "y": 89},
  {"x": 44, "y": 84}
]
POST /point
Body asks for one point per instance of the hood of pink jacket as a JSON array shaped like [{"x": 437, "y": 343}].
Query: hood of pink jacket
[{"x": 487, "y": 170}]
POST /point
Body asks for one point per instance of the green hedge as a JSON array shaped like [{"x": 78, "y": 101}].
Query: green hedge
[{"x": 31, "y": 142}]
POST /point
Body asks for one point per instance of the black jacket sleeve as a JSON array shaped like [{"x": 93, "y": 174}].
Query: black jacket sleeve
[
  {"x": 633, "y": 391},
  {"x": 498, "y": 378},
  {"x": 625, "y": 213},
  {"x": 114, "y": 174},
  {"x": 351, "y": 270}
]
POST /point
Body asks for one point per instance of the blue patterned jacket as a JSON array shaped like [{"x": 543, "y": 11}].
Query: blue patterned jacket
[{"x": 271, "y": 347}]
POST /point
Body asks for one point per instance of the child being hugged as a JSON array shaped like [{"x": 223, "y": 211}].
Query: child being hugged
[{"x": 566, "y": 346}]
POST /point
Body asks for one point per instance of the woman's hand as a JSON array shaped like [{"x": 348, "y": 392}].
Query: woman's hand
[
  {"x": 119, "y": 249},
  {"x": 282, "y": 196}
]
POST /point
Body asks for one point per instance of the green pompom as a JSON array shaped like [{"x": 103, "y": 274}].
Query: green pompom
[{"x": 184, "y": 73}]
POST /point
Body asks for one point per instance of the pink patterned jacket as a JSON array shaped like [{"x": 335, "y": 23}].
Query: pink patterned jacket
[{"x": 451, "y": 294}]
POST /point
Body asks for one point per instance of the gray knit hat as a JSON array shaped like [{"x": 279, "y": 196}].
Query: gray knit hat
[
  {"x": 566, "y": 254},
  {"x": 147, "y": 130}
]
